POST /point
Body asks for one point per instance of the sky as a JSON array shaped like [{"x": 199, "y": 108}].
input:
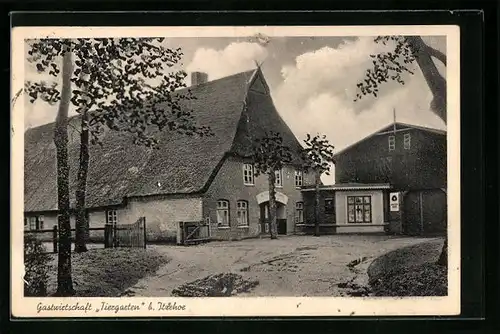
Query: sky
[{"x": 312, "y": 82}]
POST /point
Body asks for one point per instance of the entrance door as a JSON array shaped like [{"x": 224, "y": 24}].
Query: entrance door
[
  {"x": 265, "y": 227},
  {"x": 265, "y": 223}
]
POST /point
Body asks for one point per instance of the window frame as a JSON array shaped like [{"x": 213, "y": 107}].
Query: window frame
[
  {"x": 392, "y": 142},
  {"x": 407, "y": 141},
  {"x": 221, "y": 208},
  {"x": 32, "y": 223},
  {"x": 40, "y": 222},
  {"x": 248, "y": 174},
  {"x": 299, "y": 213},
  {"x": 278, "y": 177},
  {"x": 332, "y": 211},
  {"x": 244, "y": 209},
  {"x": 363, "y": 204},
  {"x": 111, "y": 217},
  {"x": 299, "y": 176}
]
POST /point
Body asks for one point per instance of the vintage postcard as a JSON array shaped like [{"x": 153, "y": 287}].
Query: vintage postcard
[{"x": 235, "y": 171}]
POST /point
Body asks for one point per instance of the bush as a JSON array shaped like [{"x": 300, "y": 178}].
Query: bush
[{"x": 36, "y": 266}]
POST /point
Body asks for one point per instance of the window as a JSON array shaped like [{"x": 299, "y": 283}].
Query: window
[
  {"x": 279, "y": 178},
  {"x": 248, "y": 174},
  {"x": 329, "y": 206},
  {"x": 242, "y": 212},
  {"x": 111, "y": 217},
  {"x": 392, "y": 143},
  {"x": 40, "y": 222},
  {"x": 407, "y": 141},
  {"x": 222, "y": 213},
  {"x": 32, "y": 223},
  {"x": 299, "y": 213},
  {"x": 298, "y": 178},
  {"x": 359, "y": 209}
]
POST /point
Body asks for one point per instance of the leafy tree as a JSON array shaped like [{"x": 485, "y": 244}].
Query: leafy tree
[
  {"x": 390, "y": 66},
  {"x": 317, "y": 157},
  {"x": 116, "y": 84},
  {"x": 269, "y": 156}
]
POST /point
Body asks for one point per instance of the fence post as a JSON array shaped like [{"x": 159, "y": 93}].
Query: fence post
[
  {"x": 144, "y": 222},
  {"x": 54, "y": 239}
]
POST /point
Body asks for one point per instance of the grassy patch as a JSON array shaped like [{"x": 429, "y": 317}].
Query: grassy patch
[
  {"x": 108, "y": 272},
  {"x": 410, "y": 271}
]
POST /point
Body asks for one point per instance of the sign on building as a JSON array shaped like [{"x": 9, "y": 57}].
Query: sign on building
[{"x": 394, "y": 201}]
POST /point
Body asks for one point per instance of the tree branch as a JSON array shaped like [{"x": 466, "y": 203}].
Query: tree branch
[{"x": 435, "y": 53}]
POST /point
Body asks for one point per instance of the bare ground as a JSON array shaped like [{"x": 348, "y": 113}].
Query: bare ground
[{"x": 289, "y": 266}]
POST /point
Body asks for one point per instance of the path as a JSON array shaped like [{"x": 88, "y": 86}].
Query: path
[{"x": 289, "y": 266}]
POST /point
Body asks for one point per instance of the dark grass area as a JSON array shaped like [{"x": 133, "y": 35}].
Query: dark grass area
[
  {"x": 108, "y": 272},
  {"x": 410, "y": 271}
]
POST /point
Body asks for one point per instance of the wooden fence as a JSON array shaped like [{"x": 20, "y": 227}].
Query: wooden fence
[
  {"x": 118, "y": 235},
  {"x": 126, "y": 235},
  {"x": 51, "y": 236}
]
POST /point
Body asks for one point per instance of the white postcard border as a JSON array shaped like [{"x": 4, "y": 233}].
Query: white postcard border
[{"x": 249, "y": 306}]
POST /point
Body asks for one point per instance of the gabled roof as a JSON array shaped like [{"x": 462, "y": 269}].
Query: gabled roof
[
  {"x": 399, "y": 126},
  {"x": 182, "y": 164}
]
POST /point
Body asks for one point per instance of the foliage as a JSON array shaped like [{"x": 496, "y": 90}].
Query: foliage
[
  {"x": 318, "y": 154},
  {"x": 270, "y": 154},
  {"x": 390, "y": 66},
  {"x": 36, "y": 266},
  {"x": 387, "y": 66},
  {"x": 122, "y": 82}
]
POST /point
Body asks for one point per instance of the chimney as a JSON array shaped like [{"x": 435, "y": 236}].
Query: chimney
[{"x": 198, "y": 78}]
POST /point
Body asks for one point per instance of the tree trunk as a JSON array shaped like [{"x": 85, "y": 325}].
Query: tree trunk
[
  {"x": 435, "y": 81},
  {"x": 316, "y": 204},
  {"x": 443, "y": 258},
  {"x": 64, "y": 279},
  {"x": 81, "y": 228},
  {"x": 437, "y": 85},
  {"x": 272, "y": 206}
]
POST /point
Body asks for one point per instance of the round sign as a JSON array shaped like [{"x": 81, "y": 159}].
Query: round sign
[{"x": 394, "y": 198}]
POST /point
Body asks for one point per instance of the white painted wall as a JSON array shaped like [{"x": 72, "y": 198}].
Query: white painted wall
[{"x": 377, "y": 212}]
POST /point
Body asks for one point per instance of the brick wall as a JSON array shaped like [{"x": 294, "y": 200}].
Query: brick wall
[{"x": 229, "y": 185}]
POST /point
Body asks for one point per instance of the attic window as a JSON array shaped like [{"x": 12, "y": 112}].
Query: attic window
[
  {"x": 407, "y": 141},
  {"x": 298, "y": 178},
  {"x": 248, "y": 174},
  {"x": 279, "y": 178},
  {"x": 392, "y": 143}
]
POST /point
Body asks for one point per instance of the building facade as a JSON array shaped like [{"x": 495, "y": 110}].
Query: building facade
[
  {"x": 401, "y": 159},
  {"x": 187, "y": 179}
]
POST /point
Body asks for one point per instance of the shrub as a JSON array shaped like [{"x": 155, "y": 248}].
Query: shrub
[{"x": 36, "y": 266}]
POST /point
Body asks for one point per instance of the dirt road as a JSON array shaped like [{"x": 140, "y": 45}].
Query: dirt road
[{"x": 289, "y": 266}]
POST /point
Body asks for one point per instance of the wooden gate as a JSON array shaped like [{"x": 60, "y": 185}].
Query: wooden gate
[
  {"x": 425, "y": 212},
  {"x": 126, "y": 235},
  {"x": 194, "y": 232}
]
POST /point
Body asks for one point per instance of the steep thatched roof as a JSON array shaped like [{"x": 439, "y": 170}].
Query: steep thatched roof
[{"x": 182, "y": 164}]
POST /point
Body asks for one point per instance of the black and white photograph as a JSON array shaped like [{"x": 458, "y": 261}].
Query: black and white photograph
[{"x": 284, "y": 170}]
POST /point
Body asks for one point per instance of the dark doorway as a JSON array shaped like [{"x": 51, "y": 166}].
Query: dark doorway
[
  {"x": 265, "y": 224},
  {"x": 281, "y": 226}
]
